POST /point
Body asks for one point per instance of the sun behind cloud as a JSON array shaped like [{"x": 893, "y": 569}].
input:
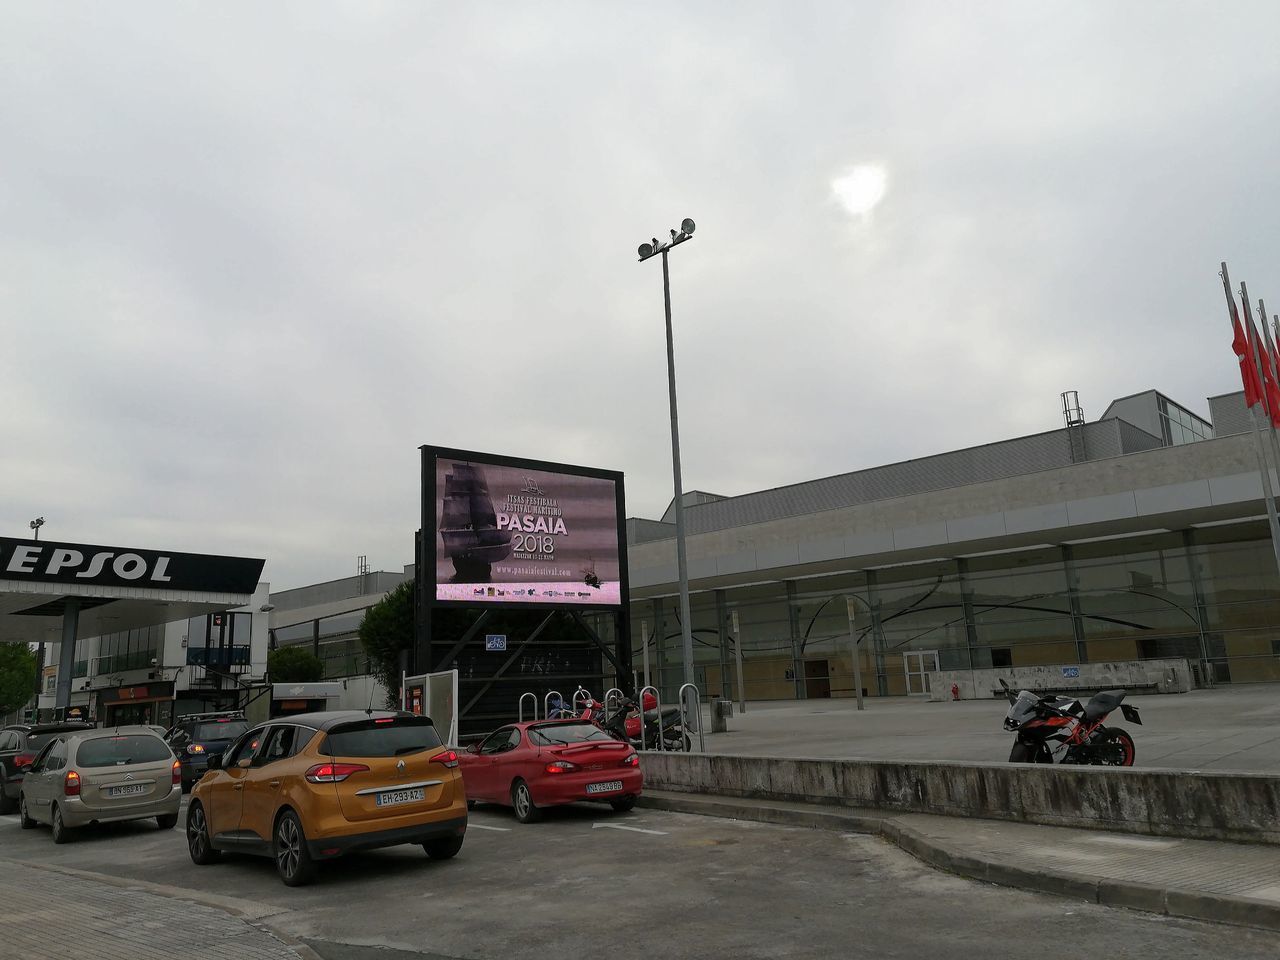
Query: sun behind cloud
[{"x": 860, "y": 188}]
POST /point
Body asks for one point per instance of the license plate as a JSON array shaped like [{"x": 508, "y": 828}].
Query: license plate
[
  {"x": 128, "y": 790},
  {"x": 389, "y": 798},
  {"x": 609, "y": 787}
]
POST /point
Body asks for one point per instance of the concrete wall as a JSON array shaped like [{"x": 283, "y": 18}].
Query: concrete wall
[
  {"x": 1168, "y": 676},
  {"x": 1242, "y": 807}
]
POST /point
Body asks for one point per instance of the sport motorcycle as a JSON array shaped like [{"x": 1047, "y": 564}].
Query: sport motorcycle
[{"x": 1054, "y": 729}]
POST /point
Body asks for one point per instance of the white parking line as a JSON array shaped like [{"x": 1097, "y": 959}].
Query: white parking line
[
  {"x": 483, "y": 826},
  {"x": 618, "y": 826}
]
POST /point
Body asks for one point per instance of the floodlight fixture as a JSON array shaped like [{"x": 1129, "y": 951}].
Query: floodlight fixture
[
  {"x": 645, "y": 251},
  {"x": 687, "y": 226}
]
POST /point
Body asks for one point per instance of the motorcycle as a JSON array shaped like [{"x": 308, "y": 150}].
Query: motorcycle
[
  {"x": 1063, "y": 730},
  {"x": 625, "y": 724}
]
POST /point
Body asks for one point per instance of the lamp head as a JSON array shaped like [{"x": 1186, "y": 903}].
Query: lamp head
[
  {"x": 687, "y": 226},
  {"x": 645, "y": 250}
]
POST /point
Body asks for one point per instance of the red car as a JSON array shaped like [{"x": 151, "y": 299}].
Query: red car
[{"x": 551, "y": 762}]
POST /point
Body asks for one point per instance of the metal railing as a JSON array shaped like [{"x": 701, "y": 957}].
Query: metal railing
[
  {"x": 657, "y": 701},
  {"x": 696, "y": 699},
  {"x": 546, "y": 703},
  {"x": 612, "y": 696},
  {"x": 581, "y": 694},
  {"x": 520, "y": 708}
]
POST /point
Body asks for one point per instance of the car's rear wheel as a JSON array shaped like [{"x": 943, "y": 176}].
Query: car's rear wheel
[
  {"x": 522, "y": 801},
  {"x": 167, "y": 822},
  {"x": 60, "y": 832},
  {"x": 443, "y": 849},
  {"x": 293, "y": 860},
  {"x": 24, "y": 820},
  {"x": 198, "y": 844},
  {"x": 623, "y": 804},
  {"x": 7, "y": 803}
]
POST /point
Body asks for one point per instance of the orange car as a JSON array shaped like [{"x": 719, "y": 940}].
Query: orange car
[{"x": 312, "y": 787}]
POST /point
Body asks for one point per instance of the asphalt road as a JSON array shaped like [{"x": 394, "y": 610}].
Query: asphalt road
[{"x": 587, "y": 882}]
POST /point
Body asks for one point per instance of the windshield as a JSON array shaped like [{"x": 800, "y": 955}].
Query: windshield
[
  {"x": 37, "y": 740},
  {"x": 1024, "y": 707},
  {"x": 119, "y": 751},
  {"x": 219, "y": 730},
  {"x": 562, "y": 734}
]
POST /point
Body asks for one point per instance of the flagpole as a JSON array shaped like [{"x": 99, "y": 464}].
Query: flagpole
[
  {"x": 1264, "y": 468},
  {"x": 1267, "y": 372}
]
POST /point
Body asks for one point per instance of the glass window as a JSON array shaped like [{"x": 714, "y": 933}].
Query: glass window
[
  {"x": 565, "y": 733},
  {"x": 501, "y": 741},
  {"x": 121, "y": 751},
  {"x": 56, "y": 758},
  {"x": 218, "y": 730},
  {"x": 383, "y": 737},
  {"x": 282, "y": 743},
  {"x": 244, "y": 748}
]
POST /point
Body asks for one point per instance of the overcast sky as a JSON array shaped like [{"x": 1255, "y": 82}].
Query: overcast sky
[{"x": 253, "y": 255}]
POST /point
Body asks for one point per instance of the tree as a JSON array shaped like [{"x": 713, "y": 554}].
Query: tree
[
  {"x": 294, "y": 665},
  {"x": 17, "y": 676},
  {"x": 386, "y": 632}
]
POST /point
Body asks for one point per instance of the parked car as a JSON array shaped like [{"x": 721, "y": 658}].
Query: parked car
[
  {"x": 19, "y": 744},
  {"x": 101, "y": 776},
  {"x": 532, "y": 765},
  {"x": 198, "y": 736},
  {"x": 315, "y": 786}
]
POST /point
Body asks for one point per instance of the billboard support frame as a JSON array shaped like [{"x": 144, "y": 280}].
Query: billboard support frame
[{"x": 515, "y": 655}]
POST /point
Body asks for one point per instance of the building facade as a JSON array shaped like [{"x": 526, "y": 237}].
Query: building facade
[{"x": 1110, "y": 540}]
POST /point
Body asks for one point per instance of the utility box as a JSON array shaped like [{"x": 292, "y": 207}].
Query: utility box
[{"x": 721, "y": 711}]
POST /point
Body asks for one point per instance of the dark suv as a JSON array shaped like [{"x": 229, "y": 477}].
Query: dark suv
[
  {"x": 196, "y": 736},
  {"x": 19, "y": 745}
]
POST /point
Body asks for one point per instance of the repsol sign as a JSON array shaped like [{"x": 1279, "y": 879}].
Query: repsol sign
[{"x": 87, "y": 564}]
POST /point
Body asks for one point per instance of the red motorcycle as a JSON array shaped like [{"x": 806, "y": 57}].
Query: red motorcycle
[{"x": 625, "y": 723}]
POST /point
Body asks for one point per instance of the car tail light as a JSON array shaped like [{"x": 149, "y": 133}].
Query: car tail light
[
  {"x": 449, "y": 758},
  {"x": 561, "y": 766},
  {"x": 71, "y": 784},
  {"x": 631, "y": 760},
  {"x": 333, "y": 772},
  {"x": 22, "y": 759},
  {"x": 177, "y": 773}
]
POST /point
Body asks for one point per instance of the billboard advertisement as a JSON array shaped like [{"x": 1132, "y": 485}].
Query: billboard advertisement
[{"x": 508, "y": 531}]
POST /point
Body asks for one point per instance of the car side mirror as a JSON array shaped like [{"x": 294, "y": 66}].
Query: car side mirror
[
  {"x": 246, "y": 763},
  {"x": 474, "y": 748},
  {"x": 215, "y": 761}
]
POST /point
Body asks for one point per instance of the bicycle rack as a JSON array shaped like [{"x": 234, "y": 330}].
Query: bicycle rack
[
  {"x": 581, "y": 694},
  {"x": 684, "y": 716},
  {"x": 520, "y": 708},
  {"x": 546, "y": 703},
  {"x": 657, "y": 700},
  {"x": 612, "y": 696}
]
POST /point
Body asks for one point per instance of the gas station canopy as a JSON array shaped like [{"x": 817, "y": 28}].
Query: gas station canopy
[{"x": 111, "y": 589}]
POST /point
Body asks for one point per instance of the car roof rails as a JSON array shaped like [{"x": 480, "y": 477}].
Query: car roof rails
[{"x": 211, "y": 715}]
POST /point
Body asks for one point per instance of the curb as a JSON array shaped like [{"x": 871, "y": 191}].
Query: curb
[
  {"x": 247, "y": 914},
  {"x": 1168, "y": 901}
]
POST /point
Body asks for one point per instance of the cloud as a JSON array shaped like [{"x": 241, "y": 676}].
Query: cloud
[{"x": 250, "y": 260}]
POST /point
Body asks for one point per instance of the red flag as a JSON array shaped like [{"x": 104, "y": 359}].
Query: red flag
[
  {"x": 1242, "y": 348},
  {"x": 1271, "y": 389}
]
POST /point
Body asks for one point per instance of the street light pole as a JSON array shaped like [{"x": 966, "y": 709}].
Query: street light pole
[
  {"x": 682, "y": 566},
  {"x": 35, "y": 525},
  {"x": 646, "y": 251}
]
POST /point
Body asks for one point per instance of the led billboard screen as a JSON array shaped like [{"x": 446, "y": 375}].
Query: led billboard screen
[{"x": 522, "y": 532}]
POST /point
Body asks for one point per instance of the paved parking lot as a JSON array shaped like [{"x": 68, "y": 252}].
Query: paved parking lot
[
  {"x": 651, "y": 884},
  {"x": 1230, "y": 728}
]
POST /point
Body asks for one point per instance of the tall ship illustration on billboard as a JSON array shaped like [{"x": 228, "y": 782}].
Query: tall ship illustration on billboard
[{"x": 469, "y": 525}]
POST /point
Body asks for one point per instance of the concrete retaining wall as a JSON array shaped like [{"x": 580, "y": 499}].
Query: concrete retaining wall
[
  {"x": 1226, "y": 806},
  {"x": 1159, "y": 676}
]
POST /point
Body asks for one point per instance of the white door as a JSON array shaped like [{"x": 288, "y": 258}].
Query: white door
[{"x": 918, "y": 664}]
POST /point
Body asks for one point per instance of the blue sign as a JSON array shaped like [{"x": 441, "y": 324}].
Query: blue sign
[
  {"x": 1070, "y": 673},
  {"x": 495, "y": 642}
]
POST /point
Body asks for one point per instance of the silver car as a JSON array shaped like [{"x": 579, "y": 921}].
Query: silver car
[{"x": 101, "y": 776}]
